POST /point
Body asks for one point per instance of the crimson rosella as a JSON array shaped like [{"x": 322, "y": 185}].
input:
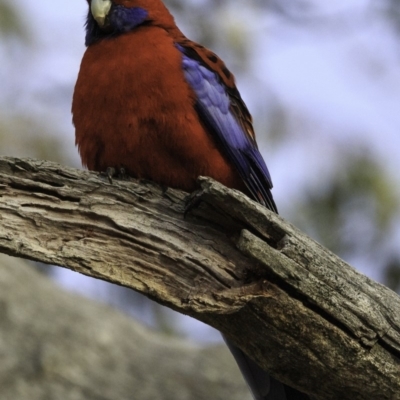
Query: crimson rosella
[{"x": 174, "y": 113}]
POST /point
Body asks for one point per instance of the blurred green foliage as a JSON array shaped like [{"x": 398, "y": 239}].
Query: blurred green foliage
[
  {"x": 11, "y": 25},
  {"x": 27, "y": 135},
  {"x": 353, "y": 212},
  {"x": 23, "y": 132}
]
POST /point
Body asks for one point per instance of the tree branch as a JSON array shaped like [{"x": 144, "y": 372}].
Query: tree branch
[{"x": 297, "y": 309}]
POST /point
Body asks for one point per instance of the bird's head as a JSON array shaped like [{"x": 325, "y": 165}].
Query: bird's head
[{"x": 110, "y": 18}]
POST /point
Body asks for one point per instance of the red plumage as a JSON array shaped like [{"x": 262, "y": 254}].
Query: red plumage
[{"x": 132, "y": 108}]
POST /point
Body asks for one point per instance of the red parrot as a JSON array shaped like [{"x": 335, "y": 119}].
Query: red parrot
[{"x": 150, "y": 101}]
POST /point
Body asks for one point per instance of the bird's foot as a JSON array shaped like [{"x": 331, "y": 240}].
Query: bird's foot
[
  {"x": 112, "y": 172},
  {"x": 192, "y": 201}
]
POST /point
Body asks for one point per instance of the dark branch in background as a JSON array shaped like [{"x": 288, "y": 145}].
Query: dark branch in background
[
  {"x": 297, "y": 309},
  {"x": 56, "y": 345}
]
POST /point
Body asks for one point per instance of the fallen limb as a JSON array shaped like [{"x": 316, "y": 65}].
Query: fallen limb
[{"x": 58, "y": 345}]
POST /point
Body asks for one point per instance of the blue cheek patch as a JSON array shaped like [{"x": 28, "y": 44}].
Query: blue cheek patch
[
  {"x": 124, "y": 19},
  {"x": 121, "y": 20}
]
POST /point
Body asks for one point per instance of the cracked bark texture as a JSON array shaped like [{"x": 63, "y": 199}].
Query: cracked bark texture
[{"x": 302, "y": 313}]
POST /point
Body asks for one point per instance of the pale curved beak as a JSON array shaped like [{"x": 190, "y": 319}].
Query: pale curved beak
[{"x": 100, "y": 9}]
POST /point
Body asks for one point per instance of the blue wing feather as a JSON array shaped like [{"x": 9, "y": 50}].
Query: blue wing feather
[{"x": 214, "y": 106}]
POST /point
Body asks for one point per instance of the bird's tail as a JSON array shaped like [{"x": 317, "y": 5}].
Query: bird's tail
[{"x": 261, "y": 384}]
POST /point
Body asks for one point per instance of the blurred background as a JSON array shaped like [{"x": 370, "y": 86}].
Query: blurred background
[{"x": 321, "y": 79}]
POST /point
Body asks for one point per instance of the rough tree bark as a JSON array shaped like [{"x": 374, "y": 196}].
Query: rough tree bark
[{"x": 297, "y": 309}]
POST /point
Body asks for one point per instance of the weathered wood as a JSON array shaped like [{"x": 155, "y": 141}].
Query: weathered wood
[{"x": 309, "y": 318}]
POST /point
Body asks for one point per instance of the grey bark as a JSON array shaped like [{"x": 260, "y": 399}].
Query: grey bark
[{"x": 302, "y": 313}]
